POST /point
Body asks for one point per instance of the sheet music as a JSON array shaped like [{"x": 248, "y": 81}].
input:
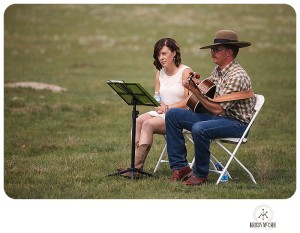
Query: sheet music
[
  {"x": 115, "y": 81},
  {"x": 132, "y": 91}
]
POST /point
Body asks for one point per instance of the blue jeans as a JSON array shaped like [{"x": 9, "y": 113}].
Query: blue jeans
[{"x": 203, "y": 127}]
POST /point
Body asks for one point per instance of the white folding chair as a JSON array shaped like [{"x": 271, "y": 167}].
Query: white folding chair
[{"x": 260, "y": 99}]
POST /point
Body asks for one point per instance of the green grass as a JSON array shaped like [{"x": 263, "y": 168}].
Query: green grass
[{"x": 63, "y": 145}]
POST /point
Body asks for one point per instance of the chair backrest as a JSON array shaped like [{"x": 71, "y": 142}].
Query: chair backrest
[{"x": 260, "y": 99}]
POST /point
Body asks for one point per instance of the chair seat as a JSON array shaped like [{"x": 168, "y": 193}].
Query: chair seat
[
  {"x": 232, "y": 140},
  {"x": 225, "y": 140}
]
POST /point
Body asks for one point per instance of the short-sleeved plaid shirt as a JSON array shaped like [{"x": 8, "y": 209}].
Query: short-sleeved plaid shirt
[{"x": 233, "y": 78}]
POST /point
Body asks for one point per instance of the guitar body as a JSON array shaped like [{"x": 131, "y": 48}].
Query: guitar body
[{"x": 208, "y": 89}]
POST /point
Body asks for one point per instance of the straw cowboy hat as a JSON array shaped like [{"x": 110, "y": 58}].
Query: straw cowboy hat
[{"x": 227, "y": 37}]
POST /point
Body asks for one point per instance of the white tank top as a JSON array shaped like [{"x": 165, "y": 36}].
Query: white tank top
[{"x": 171, "y": 89}]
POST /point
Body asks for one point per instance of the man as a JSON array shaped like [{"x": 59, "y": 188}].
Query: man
[{"x": 225, "y": 119}]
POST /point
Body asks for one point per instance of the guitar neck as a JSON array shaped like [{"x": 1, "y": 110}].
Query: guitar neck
[{"x": 195, "y": 85}]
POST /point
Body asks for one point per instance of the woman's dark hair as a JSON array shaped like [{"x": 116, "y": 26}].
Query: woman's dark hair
[{"x": 172, "y": 45}]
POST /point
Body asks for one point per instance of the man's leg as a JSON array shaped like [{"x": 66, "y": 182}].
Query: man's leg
[
  {"x": 204, "y": 131},
  {"x": 178, "y": 119}
]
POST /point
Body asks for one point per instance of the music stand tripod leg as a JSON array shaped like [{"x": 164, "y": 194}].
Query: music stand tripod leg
[
  {"x": 134, "y": 116},
  {"x": 132, "y": 168}
]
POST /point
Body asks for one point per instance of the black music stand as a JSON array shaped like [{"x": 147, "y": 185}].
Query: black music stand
[{"x": 133, "y": 94}]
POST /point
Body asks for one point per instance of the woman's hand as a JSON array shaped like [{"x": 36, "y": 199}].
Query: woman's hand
[{"x": 161, "y": 109}]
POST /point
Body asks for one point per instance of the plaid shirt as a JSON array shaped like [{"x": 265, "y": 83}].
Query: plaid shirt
[{"x": 233, "y": 78}]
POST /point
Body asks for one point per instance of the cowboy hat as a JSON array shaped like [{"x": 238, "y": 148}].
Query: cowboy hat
[{"x": 227, "y": 37}]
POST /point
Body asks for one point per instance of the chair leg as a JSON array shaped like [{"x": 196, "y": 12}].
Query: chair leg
[
  {"x": 160, "y": 158},
  {"x": 232, "y": 156},
  {"x": 213, "y": 161},
  {"x": 192, "y": 163},
  {"x": 243, "y": 166}
]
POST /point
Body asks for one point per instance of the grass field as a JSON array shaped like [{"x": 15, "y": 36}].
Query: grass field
[{"x": 62, "y": 145}]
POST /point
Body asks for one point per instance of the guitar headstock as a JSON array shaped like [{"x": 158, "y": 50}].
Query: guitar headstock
[{"x": 193, "y": 75}]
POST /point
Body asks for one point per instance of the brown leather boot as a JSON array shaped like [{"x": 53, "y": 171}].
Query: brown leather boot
[
  {"x": 181, "y": 174},
  {"x": 140, "y": 157},
  {"x": 193, "y": 180}
]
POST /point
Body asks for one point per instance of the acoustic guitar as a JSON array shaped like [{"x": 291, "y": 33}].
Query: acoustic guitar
[{"x": 207, "y": 88}]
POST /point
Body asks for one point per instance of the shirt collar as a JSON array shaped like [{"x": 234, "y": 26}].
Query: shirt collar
[{"x": 226, "y": 69}]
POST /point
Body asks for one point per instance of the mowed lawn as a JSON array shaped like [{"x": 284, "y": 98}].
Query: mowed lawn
[{"x": 62, "y": 145}]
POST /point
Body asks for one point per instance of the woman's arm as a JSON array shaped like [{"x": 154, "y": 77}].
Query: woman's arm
[{"x": 157, "y": 84}]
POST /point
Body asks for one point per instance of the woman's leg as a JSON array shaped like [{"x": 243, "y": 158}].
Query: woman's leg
[
  {"x": 145, "y": 128},
  {"x": 149, "y": 127},
  {"x": 139, "y": 124},
  {"x": 154, "y": 125}
]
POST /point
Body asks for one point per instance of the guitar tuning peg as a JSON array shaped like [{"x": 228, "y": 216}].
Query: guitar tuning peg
[
  {"x": 197, "y": 76},
  {"x": 192, "y": 74}
]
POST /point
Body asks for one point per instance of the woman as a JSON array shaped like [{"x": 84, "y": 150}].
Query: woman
[{"x": 168, "y": 83}]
